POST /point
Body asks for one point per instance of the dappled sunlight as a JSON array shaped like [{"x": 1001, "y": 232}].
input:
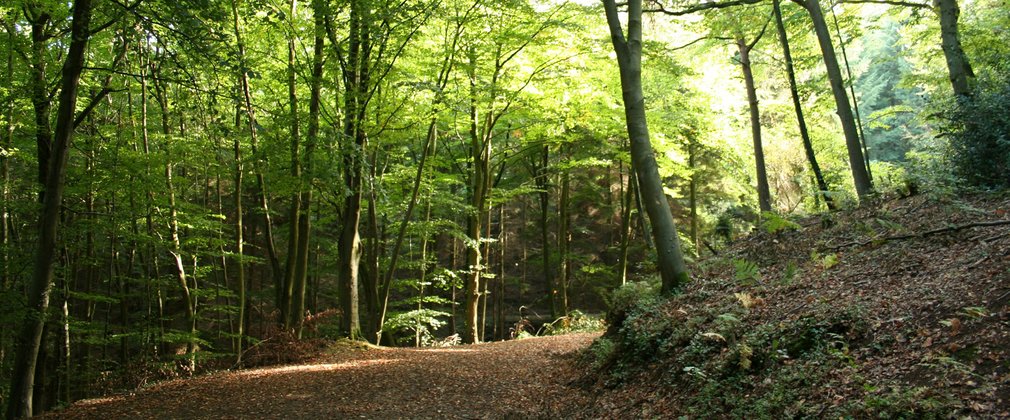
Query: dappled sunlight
[
  {"x": 324, "y": 367},
  {"x": 445, "y": 350}
]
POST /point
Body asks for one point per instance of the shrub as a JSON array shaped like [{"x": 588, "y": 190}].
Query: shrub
[{"x": 978, "y": 132}]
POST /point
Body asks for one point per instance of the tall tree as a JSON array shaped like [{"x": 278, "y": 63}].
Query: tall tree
[
  {"x": 808, "y": 146},
  {"x": 30, "y": 336},
  {"x": 628, "y": 48},
  {"x": 857, "y": 164}
]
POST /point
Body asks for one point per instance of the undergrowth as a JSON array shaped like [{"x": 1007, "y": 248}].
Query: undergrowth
[{"x": 716, "y": 359}]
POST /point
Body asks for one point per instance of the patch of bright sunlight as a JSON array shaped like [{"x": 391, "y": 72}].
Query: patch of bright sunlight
[{"x": 323, "y": 367}]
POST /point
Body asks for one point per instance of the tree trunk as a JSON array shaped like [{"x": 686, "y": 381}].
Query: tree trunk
[
  {"x": 764, "y": 194},
  {"x": 852, "y": 92},
  {"x": 300, "y": 279},
  {"x": 349, "y": 241},
  {"x": 286, "y": 289},
  {"x": 626, "y": 204},
  {"x": 239, "y": 240},
  {"x": 30, "y": 337},
  {"x": 860, "y": 176},
  {"x": 692, "y": 194},
  {"x": 670, "y": 260},
  {"x": 173, "y": 225},
  {"x": 564, "y": 239},
  {"x": 5, "y": 174},
  {"x": 480, "y": 155},
  {"x": 544, "y": 194},
  {"x": 41, "y": 101},
  {"x": 961, "y": 75},
  {"x": 808, "y": 146}
]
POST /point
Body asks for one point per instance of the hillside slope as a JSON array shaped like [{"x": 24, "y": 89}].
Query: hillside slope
[{"x": 898, "y": 308}]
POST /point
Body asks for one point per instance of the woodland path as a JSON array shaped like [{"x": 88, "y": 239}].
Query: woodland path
[{"x": 492, "y": 380}]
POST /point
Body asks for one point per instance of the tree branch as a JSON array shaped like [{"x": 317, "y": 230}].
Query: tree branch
[
  {"x": 659, "y": 8},
  {"x": 937, "y": 231},
  {"x": 890, "y": 2}
]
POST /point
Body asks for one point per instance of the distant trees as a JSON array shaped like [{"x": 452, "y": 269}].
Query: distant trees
[{"x": 238, "y": 175}]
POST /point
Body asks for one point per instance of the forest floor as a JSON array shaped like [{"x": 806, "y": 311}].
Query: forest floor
[
  {"x": 899, "y": 308},
  {"x": 510, "y": 379}
]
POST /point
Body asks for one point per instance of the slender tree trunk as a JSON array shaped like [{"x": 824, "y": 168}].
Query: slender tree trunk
[
  {"x": 961, "y": 75},
  {"x": 312, "y": 139},
  {"x": 480, "y": 155},
  {"x": 564, "y": 239},
  {"x": 692, "y": 194},
  {"x": 371, "y": 281},
  {"x": 5, "y": 174},
  {"x": 808, "y": 146},
  {"x": 239, "y": 240},
  {"x": 670, "y": 260},
  {"x": 626, "y": 205},
  {"x": 860, "y": 176},
  {"x": 173, "y": 225},
  {"x": 30, "y": 337},
  {"x": 41, "y": 101},
  {"x": 356, "y": 79},
  {"x": 852, "y": 92},
  {"x": 287, "y": 287},
  {"x": 545, "y": 242},
  {"x": 499, "y": 329},
  {"x": 429, "y": 149},
  {"x": 764, "y": 194}
]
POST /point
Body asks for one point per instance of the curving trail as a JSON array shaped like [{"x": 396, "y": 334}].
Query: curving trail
[{"x": 493, "y": 380}]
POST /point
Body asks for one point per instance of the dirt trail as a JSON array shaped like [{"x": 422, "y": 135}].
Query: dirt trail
[{"x": 493, "y": 380}]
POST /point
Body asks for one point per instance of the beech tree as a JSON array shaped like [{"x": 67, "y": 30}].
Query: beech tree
[
  {"x": 30, "y": 336},
  {"x": 628, "y": 47}
]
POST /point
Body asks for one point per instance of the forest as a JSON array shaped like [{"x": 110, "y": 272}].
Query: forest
[{"x": 192, "y": 186}]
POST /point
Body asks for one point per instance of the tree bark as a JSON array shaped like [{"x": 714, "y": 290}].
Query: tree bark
[
  {"x": 544, "y": 195},
  {"x": 961, "y": 75},
  {"x": 349, "y": 241},
  {"x": 287, "y": 287},
  {"x": 692, "y": 193},
  {"x": 480, "y": 152},
  {"x": 173, "y": 224},
  {"x": 564, "y": 239},
  {"x": 764, "y": 194},
  {"x": 808, "y": 146},
  {"x": 41, "y": 101},
  {"x": 670, "y": 259},
  {"x": 300, "y": 278},
  {"x": 626, "y": 205},
  {"x": 30, "y": 336},
  {"x": 860, "y": 176}
]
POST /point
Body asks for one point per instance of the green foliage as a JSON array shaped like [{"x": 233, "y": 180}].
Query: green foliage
[
  {"x": 634, "y": 294},
  {"x": 747, "y": 272},
  {"x": 826, "y": 261},
  {"x": 421, "y": 322},
  {"x": 575, "y": 322},
  {"x": 771, "y": 222},
  {"x": 978, "y": 131},
  {"x": 906, "y": 402}
]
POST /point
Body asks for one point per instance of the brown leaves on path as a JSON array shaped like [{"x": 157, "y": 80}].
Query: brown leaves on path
[{"x": 492, "y": 380}]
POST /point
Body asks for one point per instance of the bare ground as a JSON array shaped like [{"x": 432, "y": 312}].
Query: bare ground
[{"x": 511, "y": 379}]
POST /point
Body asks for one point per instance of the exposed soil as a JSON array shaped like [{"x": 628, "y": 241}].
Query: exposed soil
[{"x": 492, "y": 380}]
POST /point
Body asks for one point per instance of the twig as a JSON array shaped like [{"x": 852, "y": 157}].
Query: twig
[
  {"x": 1005, "y": 294},
  {"x": 925, "y": 234}
]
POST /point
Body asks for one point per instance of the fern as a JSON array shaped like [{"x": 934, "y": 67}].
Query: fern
[
  {"x": 747, "y": 272},
  {"x": 773, "y": 223}
]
